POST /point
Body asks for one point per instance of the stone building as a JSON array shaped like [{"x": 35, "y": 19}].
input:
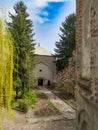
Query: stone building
[
  {"x": 45, "y": 68},
  {"x": 87, "y": 64}
]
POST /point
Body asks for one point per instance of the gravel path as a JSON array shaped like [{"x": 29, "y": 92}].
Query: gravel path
[{"x": 63, "y": 107}]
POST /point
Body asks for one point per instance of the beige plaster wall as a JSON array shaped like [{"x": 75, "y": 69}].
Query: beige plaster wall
[
  {"x": 42, "y": 71},
  {"x": 48, "y": 67}
]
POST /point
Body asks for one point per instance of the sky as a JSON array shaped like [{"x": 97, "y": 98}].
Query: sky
[{"x": 47, "y": 16}]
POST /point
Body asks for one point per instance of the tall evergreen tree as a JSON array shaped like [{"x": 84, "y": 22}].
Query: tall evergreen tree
[
  {"x": 21, "y": 28},
  {"x": 66, "y": 43}
]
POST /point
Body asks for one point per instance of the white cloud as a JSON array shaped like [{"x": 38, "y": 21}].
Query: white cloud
[
  {"x": 40, "y": 3},
  {"x": 41, "y": 20},
  {"x": 34, "y": 15},
  {"x": 43, "y": 3},
  {"x": 36, "y": 7},
  {"x": 45, "y": 13}
]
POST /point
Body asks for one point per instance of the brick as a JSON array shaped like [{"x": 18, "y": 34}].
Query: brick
[
  {"x": 96, "y": 89},
  {"x": 96, "y": 94},
  {"x": 96, "y": 79},
  {"x": 96, "y": 83},
  {"x": 92, "y": 67}
]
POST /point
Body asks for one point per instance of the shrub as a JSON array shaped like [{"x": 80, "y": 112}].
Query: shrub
[
  {"x": 66, "y": 78},
  {"x": 23, "y": 106},
  {"x": 27, "y": 101},
  {"x": 30, "y": 98}
]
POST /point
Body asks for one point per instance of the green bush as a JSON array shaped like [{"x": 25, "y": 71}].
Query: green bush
[
  {"x": 23, "y": 106},
  {"x": 30, "y": 98},
  {"x": 27, "y": 101},
  {"x": 65, "y": 89}
]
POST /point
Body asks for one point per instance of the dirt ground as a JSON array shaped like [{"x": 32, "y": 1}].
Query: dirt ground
[
  {"x": 43, "y": 108},
  {"x": 20, "y": 124},
  {"x": 66, "y": 97}
]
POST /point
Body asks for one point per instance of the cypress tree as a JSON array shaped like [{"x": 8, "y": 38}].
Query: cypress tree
[{"x": 21, "y": 28}]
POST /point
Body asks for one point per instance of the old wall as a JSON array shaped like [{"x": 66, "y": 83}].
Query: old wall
[
  {"x": 42, "y": 71},
  {"x": 87, "y": 64},
  {"x": 46, "y": 65}
]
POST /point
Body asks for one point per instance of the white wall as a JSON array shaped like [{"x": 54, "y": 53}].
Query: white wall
[{"x": 46, "y": 73}]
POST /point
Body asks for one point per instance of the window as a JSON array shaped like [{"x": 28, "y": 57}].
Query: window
[{"x": 40, "y": 70}]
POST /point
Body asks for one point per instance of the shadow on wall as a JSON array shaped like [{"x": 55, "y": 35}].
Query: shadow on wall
[{"x": 83, "y": 120}]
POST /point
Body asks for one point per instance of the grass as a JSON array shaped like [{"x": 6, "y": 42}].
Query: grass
[
  {"x": 65, "y": 93},
  {"x": 41, "y": 95},
  {"x": 51, "y": 104},
  {"x": 70, "y": 103}
]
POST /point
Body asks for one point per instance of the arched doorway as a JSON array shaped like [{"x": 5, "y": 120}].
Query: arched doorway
[
  {"x": 40, "y": 81},
  {"x": 43, "y": 74},
  {"x": 84, "y": 126}
]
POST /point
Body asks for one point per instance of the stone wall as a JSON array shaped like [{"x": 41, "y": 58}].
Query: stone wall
[
  {"x": 87, "y": 64},
  {"x": 45, "y": 68}
]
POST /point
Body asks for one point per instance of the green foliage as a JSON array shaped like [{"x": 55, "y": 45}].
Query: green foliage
[
  {"x": 21, "y": 28},
  {"x": 66, "y": 43},
  {"x": 26, "y": 102},
  {"x": 50, "y": 104},
  {"x": 18, "y": 82},
  {"x": 41, "y": 95},
  {"x": 66, "y": 90},
  {"x": 6, "y": 70},
  {"x": 23, "y": 106},
  {"x": 30, "y": 98}
]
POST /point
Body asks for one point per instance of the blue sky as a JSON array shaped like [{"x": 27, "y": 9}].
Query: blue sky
[{"x": 47, "y": 16}]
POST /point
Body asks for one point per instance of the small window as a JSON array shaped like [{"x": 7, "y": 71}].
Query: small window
[{"x": 40, "y": 70}]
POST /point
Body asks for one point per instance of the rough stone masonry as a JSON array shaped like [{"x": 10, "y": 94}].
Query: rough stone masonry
[{"x": 87, "y": 64}]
